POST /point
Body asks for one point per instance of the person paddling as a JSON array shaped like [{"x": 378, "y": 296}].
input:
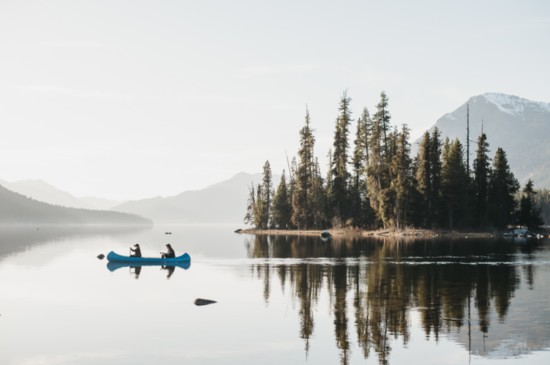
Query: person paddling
[
  {"x": 170, "y": 252},
  {"x": 135, "y": 252}
]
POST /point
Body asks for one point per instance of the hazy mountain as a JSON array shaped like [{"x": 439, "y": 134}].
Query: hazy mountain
[
  {"x": 100, "y": 203},
  {"x": 44, "y": 192},
  {"x": 520, "y": 126},
  {"x": 224, "y": 202},
  {"x": 18, "y": 209}
]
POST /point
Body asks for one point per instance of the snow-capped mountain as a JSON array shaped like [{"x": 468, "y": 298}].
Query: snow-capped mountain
[{"x": 520, "y": 126}]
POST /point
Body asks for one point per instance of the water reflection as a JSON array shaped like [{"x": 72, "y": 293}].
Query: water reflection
[
  {"x": 135, "y": 270},
  {"x": 454, "y": 287},
  {"x": 15, "y": 238}
]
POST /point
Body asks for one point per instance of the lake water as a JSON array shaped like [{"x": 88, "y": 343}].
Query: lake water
[{"x": 279, "y": 300}]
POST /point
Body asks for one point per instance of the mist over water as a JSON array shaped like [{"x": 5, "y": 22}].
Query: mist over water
[{"x": 278, "y": 299}]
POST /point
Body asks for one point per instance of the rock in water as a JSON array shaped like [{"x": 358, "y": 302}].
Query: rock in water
[
  {"x": 101, "y": 256},
  {"x": 200, "y": 301}
]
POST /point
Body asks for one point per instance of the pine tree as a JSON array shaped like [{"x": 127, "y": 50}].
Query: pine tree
[
  {"x": 503, "y": 187},
  {"x": 378, "y": 169},
  {"x": 402, "y": 182},
  {"x": 267, "y": 196},
  {"x": 435, "y": 178},
  {"x": 482, "y": 172},
  {"x": 255, "y": 207},
  {"x": 339, "y": 203},
  {"x": 318, "y": 199},
  {"x": 529, "y": 213},
  {"x": 259, "y": 208},
  {"x": 282, "y": 209},
  {"x": 302, "y": 216},
  {"x": 454, "y": 184},
  {"x": 250, "y": 206},
  {"x": 358, "y": 188},
  {"x": 382, "y": 118},
  {"x": 423, "y": 178}
]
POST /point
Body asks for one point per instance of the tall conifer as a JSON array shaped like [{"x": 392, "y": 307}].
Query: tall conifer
[
  {"x": 358, "y": 188},
  {"x": 302, "y": 215},
  {"x": 503, "y": 187},
  {"x": 482, "y": 170},
  {"x": 454, "y": 185},
  {"x": 282, "y": 209},
  {"x": 339, "y": 202}
]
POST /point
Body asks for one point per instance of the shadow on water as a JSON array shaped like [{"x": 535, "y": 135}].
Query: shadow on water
[{"x": 456, "y": 287}]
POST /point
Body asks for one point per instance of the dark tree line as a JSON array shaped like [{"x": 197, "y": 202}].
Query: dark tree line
[{"x": 377, "y": 183}]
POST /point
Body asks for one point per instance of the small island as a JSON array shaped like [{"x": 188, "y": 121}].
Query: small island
[
  {"x": 379, "y": 189},
  {"x": 379, "y": 233}
]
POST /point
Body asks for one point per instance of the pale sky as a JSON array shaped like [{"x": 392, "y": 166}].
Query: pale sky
[{"x": 134, "y": 99}]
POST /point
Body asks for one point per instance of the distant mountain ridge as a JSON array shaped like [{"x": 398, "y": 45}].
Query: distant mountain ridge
[
  {"x": 18, "y": 209},
  {"x": 224, "y": 202},
  {"x": 520, "y": 126},
  {"x": 44, "y": 192}
]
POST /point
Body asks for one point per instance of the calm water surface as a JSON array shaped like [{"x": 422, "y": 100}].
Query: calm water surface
[{"x": 279, "y": 300}]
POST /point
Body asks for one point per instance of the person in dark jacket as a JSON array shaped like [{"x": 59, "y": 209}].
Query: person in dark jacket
[
  {"x": 136, "y": 251},
  {"x": 169, "y": 253}
]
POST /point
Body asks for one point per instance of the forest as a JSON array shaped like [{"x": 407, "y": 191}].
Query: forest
[{"x": 374, "y": 182}]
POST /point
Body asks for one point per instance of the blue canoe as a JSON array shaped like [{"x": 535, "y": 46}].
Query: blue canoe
[{"x": 142, "y": 261}]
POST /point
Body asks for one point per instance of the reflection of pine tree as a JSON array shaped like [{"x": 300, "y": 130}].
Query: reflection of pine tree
[
  {"x": 339, "y": 293},
  {"x": 384, "y": 291}
]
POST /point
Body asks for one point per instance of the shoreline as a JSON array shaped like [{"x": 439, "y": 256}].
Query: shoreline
[{"x": 379, "y": 233}]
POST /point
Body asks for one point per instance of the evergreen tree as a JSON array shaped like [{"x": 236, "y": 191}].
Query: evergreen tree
[
  {"x": 423, "y": 179},
  {"x": 402, "y": 182},
  {"x": 358, "y": 188},
  {"x": 542, "y": 200},
  {"x": 267, "y": 196},
  {"x": 382, "y": 118},
  {"x": 454, "y": 184},
  {"x": 250, "y": 206},
  {"x": 378, "y": 169},
  {"x": 259, "y": 208},
  {"x": 529, "y": 213},
  {"x": 282, "y": 208},
  {"x": 482, "y": 172},
  {"x": 255, "y": 207},
  {"x": 435, "y": 178},
  {"x": 302, "y": 213},
  {"x": 503, "y": 187},
  {"x": 339, "y": 203},
  {"x": 318, "y": 199}
]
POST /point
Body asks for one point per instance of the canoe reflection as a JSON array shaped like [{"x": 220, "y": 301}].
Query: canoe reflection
[{"x": 136, "y": 269}]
